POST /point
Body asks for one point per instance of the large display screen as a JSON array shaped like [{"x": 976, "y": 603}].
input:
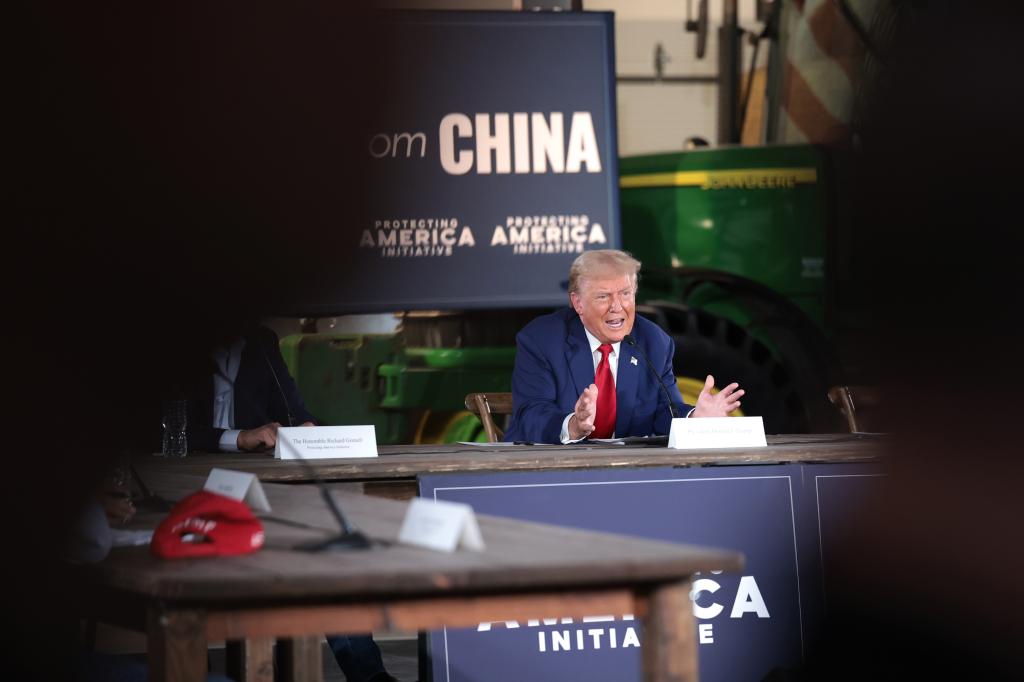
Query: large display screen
[{"x": 491, "y": 162}]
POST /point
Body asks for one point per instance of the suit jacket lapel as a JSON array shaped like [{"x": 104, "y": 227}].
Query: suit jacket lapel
[
  {"x": 578, "y": 356},
  {"x": 248, "y": 410},
  {"x": 626, "y": 383}
]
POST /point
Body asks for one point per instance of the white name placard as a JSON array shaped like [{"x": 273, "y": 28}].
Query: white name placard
[
  {"x": 238, "y": 485},
  {"x": 325, "y": 442},
  {"x": 698, "y": 433},
  {"x": 441, "y": 525}
]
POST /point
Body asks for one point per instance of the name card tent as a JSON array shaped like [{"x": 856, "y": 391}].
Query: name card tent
[
  {"x": 441, "y": 525},
  {"x": 717, "y": 432},
  {"x": 238, "y": 485},
  {"x": 325, "y": 442}
]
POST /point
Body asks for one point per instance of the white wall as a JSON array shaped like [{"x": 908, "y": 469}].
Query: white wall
[
  {"x": 653, "y": 117},
  {"x": 660, "y": 116}
]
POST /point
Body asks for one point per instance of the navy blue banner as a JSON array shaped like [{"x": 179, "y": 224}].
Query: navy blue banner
[
  {"x": 837, "y": 491},
  {"x": 492, "y": 160},
  {"x": 748, "y": 624}
]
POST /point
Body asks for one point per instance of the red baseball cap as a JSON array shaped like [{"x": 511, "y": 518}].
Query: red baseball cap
[{"x": 207, "y": 524}]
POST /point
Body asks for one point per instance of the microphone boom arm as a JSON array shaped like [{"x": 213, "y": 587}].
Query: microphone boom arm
[{"x": 629, "y": 339}]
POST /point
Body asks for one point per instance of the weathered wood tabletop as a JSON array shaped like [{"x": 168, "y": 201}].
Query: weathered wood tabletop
[
  {"x": 393, "y": 474},
  {"x": 527, "y": 571}
]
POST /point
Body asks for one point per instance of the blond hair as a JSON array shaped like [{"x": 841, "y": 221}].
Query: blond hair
[{"x": 602, "y": 261}]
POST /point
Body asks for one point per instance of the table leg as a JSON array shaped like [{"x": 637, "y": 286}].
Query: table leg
[
  {"x": 176, "y": 645},
  {"x": 670, "y": 644},
  {"x": 250, "y": 660},
  {"x": 300, "y": 659}
]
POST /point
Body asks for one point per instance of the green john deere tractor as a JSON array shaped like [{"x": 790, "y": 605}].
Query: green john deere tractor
[{"x": 734, "y": 244}]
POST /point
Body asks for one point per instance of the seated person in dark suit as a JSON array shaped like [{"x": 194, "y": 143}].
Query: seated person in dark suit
[
  {"x": 580, "y": 372},
  {"x": 246, "y": 394}
]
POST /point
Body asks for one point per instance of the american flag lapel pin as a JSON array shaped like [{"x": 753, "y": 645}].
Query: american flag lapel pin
[{"x": 632, "y": 360}]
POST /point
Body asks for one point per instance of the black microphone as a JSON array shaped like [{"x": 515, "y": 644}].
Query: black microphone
[
  {"x": 628, "y": 338},
  {"x": 273, "y": 373},
  {"x": 349, "y": 538}
]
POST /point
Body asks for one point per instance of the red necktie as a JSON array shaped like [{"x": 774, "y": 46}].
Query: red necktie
[{"x": 604, "y": 421}]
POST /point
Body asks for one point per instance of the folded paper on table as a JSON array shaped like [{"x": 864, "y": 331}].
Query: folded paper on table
[
  {"x": 238, "y": 485},
  {"x": 699, "y": 433},
  {"x": 441, "y": 525},
  {"x": 325, "y": 442}
]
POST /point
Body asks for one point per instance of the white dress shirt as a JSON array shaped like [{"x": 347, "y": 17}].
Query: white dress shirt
[
  {"x": 613, "y": 365},
  {"x": 228, "y": 361}
]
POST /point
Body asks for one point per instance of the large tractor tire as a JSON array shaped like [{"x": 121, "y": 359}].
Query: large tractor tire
[{"x": 709, "y": 344}]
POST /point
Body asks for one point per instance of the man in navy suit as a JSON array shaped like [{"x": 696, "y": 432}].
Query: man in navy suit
[{"x": 580, "y": 372}]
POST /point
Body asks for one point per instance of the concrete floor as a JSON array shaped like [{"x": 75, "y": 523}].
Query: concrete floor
[
  {"x": 400, "y": 659},
  {"x": 400, "y": 654}
]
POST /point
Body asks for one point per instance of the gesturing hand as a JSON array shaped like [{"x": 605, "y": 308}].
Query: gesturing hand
[
  {"x": 717, "y": 404},
  {"x": 262, "y": 437},
  {"x": 581, "y": 424}
]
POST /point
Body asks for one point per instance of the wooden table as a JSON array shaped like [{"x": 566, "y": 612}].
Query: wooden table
[
  {"x": 528, "y": 571},
  {"x": 393, "y": 474}
]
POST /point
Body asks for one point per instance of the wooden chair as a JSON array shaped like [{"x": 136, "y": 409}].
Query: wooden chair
[
  {"x": 485, "y": 405},
  {"x": 842, "y": 398}
]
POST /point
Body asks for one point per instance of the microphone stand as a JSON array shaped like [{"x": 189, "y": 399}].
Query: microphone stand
[
  {"x": 632, "y": 343},
  {"x": 349, "y": 538}
]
